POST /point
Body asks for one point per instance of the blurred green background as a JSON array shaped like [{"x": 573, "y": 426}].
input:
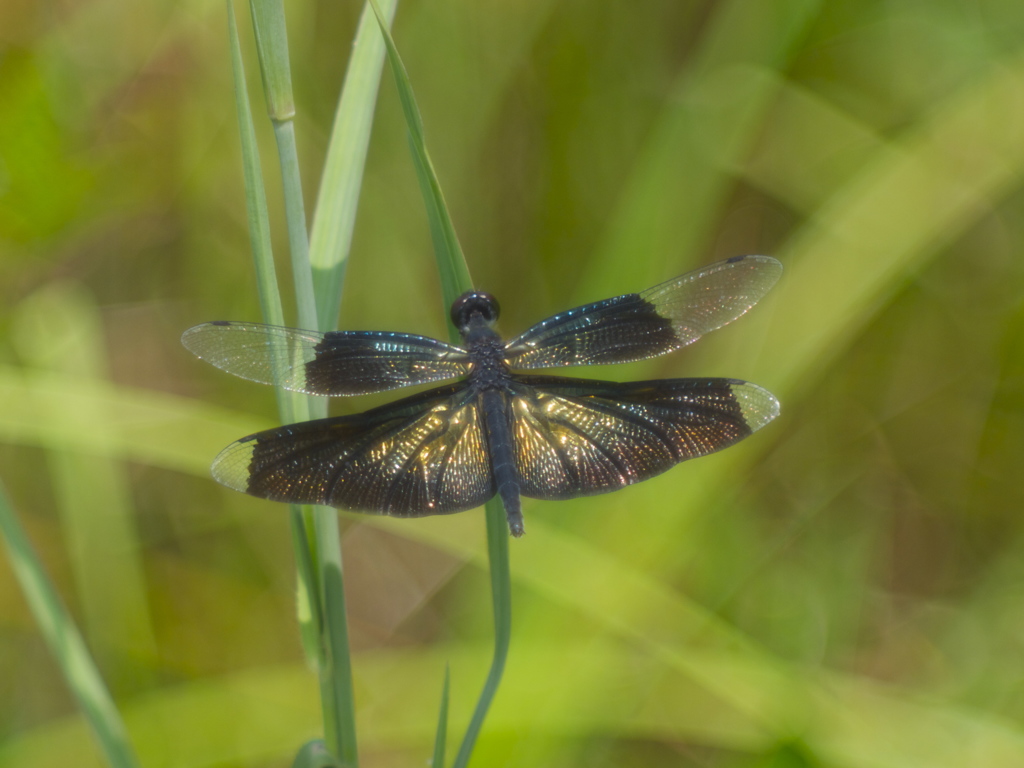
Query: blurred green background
[{"x": 846, "y": 588}]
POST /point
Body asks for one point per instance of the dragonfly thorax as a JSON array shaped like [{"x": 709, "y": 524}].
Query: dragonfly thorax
[
  {"x": 474, "y": 314},
  {"x": 487, "y": 351}
]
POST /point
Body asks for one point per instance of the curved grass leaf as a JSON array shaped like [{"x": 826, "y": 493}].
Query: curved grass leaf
[
  {"x": 455, "y": 280},
  {"x": 65, "y": 643}
]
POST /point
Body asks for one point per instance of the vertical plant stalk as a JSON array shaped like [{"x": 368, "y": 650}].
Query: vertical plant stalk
[
  {"x": 272, "y": 50},
  {"x": 455, "y": 280},
  {"x": 66, "y": 643},
  {"x": 501, "y": 594},
  {"x": 298, "y": 240},
  {"x": 451, "y": 264},
  {"x": 290, "y": 407},
  {"x": 441, "y": 737},
  {"x": 338, "y": 198},
  {"x": 315, "y": 530},
  {"x": 336, "y": 691}
]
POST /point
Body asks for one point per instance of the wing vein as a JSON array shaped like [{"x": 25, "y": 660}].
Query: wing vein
[{"x": 637, "y": 420}]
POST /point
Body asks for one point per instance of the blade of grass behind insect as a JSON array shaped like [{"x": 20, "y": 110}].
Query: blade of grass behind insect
[
  {"x": 65, "y": 642},
  {"x": 256, "y": 199},
  {"x": 335, "y": 214},
  {"x": 272, "y": 50},
  {"x": 291, "y": 408},
  {"x": 314, "y": 532},
  {"x": 442, "y": 722},
  {"x": 451, "y": 264},
  {"x": 455, "y": 280},
  {"x": 319, "y": 524},
  {"x": 501, "y": 593}
]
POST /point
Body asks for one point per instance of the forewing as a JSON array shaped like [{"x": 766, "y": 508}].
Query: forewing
[
  {"x": 424, "y": 455},
  {"x": 333, "y": 363},
  {"x": 640, "y": 325},
  {"x": 576, "y": 437}
]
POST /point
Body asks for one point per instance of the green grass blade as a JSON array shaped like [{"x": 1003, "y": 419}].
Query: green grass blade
[
  {"x": 144, "y": 426},
  {"x": 255, "y": 194},
  {"x": 455, "y": 280},
  {"x": 342, "y": 177},
  {"x": 501, "y": 593},
  {"x": 442, "y": 722},
  {"x": 65, "y": 642},
  {"x": 271, "y": 34},
  {"x": 298, "y": 239},
  {"x": 451, "y": 264},
  {"x": 325, "y": 597},
  {"x": 336, "y": 676},
  {"x": 292, "y": 407},
  {"x": 272, "y": 49}
]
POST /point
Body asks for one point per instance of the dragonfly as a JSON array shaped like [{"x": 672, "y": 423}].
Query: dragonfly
[{"x": 494, "y": 428}]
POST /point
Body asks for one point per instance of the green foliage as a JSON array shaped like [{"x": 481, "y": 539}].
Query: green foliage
[{"x": 842, "y": 589}]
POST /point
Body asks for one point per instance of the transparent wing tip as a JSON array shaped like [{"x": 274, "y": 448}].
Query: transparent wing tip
[{"x": 758, "y": 405}]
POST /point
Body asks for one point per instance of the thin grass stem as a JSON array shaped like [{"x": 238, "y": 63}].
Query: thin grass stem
[
  {"x": 455, "y": 280},
  {"x": 315, "y": 531},
  {"x": 65, "y": 642},
  {"x": 342, "y": 177},
  {"x": 501, "y": 594},
  {"x": 441, "y": 737}
]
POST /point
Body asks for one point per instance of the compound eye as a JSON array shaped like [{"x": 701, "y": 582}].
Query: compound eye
[{"x": 478, "y": 303}]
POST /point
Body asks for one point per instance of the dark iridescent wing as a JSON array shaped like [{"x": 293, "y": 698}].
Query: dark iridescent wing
[
  {"x": 640, "y": 325},
  {"x": 333, "y": 363},
  {"x": 575, "y": 437},
  {"x": 423, "y": 455}
]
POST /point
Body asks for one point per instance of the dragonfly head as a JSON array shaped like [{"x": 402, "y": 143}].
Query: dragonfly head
[{"x": 474, "y": 305}]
